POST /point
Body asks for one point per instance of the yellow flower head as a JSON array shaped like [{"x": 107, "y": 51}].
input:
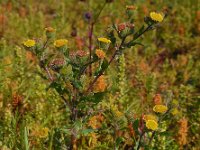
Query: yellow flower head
[
  {"x": 160, "y": 108},
  {"x": 157, "y": 99},
  {"x": 50, "y": 29},
  {"x": 156, "y": 16},
  {"x": 29, "y": 43},
  {"x": 60, "y": 43},
  {"x": 104, "y": 40},
  {"x": 100, "y": 53},
  {"x": 150, "y": 117},
  {"x": 152, "y": 124}
]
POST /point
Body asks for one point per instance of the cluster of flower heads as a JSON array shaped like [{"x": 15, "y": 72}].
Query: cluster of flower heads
[
  {"x": 50, "y": 33},
  {"x": 57, "y": 43},
  {"x": 152, "y": 120}
]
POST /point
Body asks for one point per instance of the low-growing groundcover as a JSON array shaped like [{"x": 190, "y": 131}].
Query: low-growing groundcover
[{"x": 107, "y": 74}]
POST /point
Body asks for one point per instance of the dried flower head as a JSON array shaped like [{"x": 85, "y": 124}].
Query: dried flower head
[
  {"x": 29, "y": 43},
  {"x": 95, "y": 121},
  {"x": 16, "y": 101},
  {"x": 101, "y": 84},
  {"x": 104, "y": 40},
  {"x": 100, "y": 53},
  {"x": 158, "y": 17},
  {"x": 182, "y": 133},
  {"x": 160, "y": 108},
  {"x": 56, "y": 64},
  {"x": 60, "y": 43},
  {"x": 81, "y": 53},
  {"x": 121, "y": 26},
  {"x": 152, "y": 124},
  {"x": 157, "y": 99}
]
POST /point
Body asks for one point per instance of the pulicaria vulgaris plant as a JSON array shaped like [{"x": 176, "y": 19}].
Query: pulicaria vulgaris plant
[{"x": 79, "y": 77}]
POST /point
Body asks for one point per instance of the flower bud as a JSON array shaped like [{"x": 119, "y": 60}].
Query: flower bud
[
  {"x": 129, "y": 10},
  {"x": 125, "y": 29},
  {"x": 61, "y": 45},
  {"x": 50, "y": 32}
]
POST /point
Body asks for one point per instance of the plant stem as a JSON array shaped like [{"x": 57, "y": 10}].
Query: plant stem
[
  {"x": 90, "y": 47},
  {"x": 90, "y": 35},
  {"x": 147, "y": 28},
  {"x": 152, "y": 136},
  {"x": 140, "y": 139}
]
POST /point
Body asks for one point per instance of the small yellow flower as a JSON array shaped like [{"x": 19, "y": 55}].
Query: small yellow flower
[
  {"x": 175, "y": 111},
  {"x": 60, "y": 43},
  {"x": 152, "y": 124},
  {"x": 156, "y": 16},
  {"x": 100, "y": 53},
  {"x": 160, "y": 108},
  {"x": 29, "y": 43},
  {"x": 50, "y": 29},
  {"x": 104, "y": 40},
  {"x": 116, "y": 112},
  {"x": 150, "y": 117},
  {"x": 43, "y": 133}
]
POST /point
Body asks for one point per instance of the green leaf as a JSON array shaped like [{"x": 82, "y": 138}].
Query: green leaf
[
  {"x": 26, "y": 144},
  {"x": 138, "y": 33},
  {"x": 118, "y": 141},
  {"x": 77, "y": 84},
  {"x": 133, "y": 43},
  {"x": 87, "y": 131},
  {"x": 105, "y": 64},
  {"x": 136, "y": 125},
  {"x": 67, "y": 70},
  {"x": 57, "y": 87},
  {"x": 148, "y": 21},
  {"x": 95, "y": 98}
]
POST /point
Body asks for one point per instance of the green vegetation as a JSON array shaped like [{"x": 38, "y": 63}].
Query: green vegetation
[{"x": 106, "y": 74}]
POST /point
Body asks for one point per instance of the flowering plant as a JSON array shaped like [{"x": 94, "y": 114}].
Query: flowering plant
[{"x": 79, "y": 77}]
